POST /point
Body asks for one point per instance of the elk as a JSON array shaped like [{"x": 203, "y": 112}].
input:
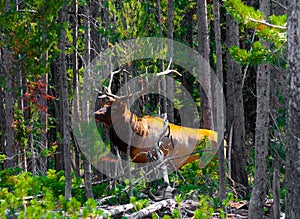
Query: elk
[{"x": 177, "y": 142}]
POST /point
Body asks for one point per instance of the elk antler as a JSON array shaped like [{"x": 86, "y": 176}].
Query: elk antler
[
  {"x": 168, "y": 70},
  {"x": 108, "y": 91},
  {"x": 112, "y": 77}
]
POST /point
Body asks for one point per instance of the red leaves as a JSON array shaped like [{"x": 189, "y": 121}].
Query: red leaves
[{"x": 37, "y": 95}]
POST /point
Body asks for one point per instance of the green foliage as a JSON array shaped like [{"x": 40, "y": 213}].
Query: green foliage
[
  {"x": 198, "y": 180},
  {"x": 205, "y": 209},
  {"x": 178, "y": 199},
  {"x": 257, "y": 56},
  {"x": 273, "y": 32},
  {"x": 154, "y": 216},
  {"x": 38, "y": 196},
  {"x": 7, "y": 176},
  {"x": 90, "y": 210},
  {"x": 139, "y": 204},
  {"x": 167, "y": 217},
  {"x": 30, "y": 32},
  {"x": 254, "y": 19},
  {"x": 176, "y": 213},
  {"x": 73, "y": 207}
]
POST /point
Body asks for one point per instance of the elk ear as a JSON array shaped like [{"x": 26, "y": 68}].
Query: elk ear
[
  {"x": 102, "y": 93},
  {"x": 104, "y": 90}
]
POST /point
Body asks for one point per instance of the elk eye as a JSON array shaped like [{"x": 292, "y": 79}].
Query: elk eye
[{"x": 105, "y": 100}]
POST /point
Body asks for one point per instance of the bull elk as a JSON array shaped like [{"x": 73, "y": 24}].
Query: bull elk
[{"x": 126, "y": 129}]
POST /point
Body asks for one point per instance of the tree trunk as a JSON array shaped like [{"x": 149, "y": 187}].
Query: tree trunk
[
  {"x": 87, "y": 56},
  {"x": 86, "y": 95},
  {"x": 88, "y": 179},
  {"x": 2, "y": 118},
  {"x": 169, "y": 82},
  {"x": 64, "y": 104},
  {"x": 292, "y": 164},
  {"x": 219, "y": 72},
  {"x": 235, "y": 107},
  {"x": 95, "y": 36},
  {"x": 2, "y": 112},
  {"x": 259, "y": 190},
  {"x": 278, "y": 97},
  {"x": 203, "y": 49},
  {"x": 162, "y": 85},
  {"x": 9, "y": 110},
  {"x": 59, "y": 160},
  {"x": 44, "y": 122},
  {"x": 75, "y": 80}
]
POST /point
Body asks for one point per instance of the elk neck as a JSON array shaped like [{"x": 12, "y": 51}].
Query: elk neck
[{"x": 126, "y": 122}]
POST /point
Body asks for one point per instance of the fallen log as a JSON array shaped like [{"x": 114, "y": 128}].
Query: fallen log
[
  {"x": 169, "y": 203},
  {"x": 110, "y": 211}
]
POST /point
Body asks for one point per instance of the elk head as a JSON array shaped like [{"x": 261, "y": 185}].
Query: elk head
[
  {"x": 104, "y": 113},
  {"x": 107, "y": 98}
]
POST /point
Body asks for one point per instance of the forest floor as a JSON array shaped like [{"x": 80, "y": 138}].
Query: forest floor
[{"x": 185, "y": 209}]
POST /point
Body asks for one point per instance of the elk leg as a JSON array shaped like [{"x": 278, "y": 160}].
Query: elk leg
[{"x": 165, "y": 174}]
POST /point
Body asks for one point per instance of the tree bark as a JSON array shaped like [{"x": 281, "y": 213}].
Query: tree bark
[
  {"x": 9, "y": 110},
  {"x": 2, "y": 118},
  {"x": 235, "y": 107},
  {"x": 292, "y": 164},
  {"x": 95, "y": 11},
  {"x": 276, "y": 194},
  {"x": 2, "y": 110},
  {"x": 75, "y": 80},
  {"x": 88, "y": 179},
  {"x": 259, "y": 190},
  {"x": 162, "y": 85},
  {"x": 44, "y": 122},
  {"x": 169, "y": 82},
  {"x": 86, "y": 95},
  {"x": 219, "y": 72},
  {"x": 64, "y": 103},
  {"x": 203, "y": 49},
  {"x": 87, "y": 56}
]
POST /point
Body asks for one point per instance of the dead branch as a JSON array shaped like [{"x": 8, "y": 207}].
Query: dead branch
[
  {"x": 267, "y": 24},
  {"x": 159, "y": 153},
  {"x": 116, "y": 210},
  {"x": 152, "y": 208}
]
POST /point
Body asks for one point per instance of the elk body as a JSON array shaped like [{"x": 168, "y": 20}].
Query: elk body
[{"x": 127, "y": 128}]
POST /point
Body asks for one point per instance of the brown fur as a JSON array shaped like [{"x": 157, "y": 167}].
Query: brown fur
[{"x": 180, "y": 141}]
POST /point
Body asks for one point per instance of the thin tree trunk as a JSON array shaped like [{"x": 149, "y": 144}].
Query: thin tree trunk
[
  {"x": 261, "y": 143},
  {"x": 86, "y": 95},
  {"x": 87, "y": 56},
  {"x": 94, "y": 25},
  {"x": 219, "y": 72},
  {"x": 162, "y": 85},
  {"x": 278, "y": 89},
  {"x": 64, "y": 103},
  {"x": 260, "y": 186},
  {"x": 9, "y": 111},
  {"x": 169, "y": 82},
  {"x": 276, "y": 194},
  {"x": 19, "y": 80},
  {"x": 2, "y": 119},
  {"x": 75, "y": 80},
  {"x": 105, "y": 23},
  {"x": 203, "y": 48},
  {"x": 292, "y": 201},
  {"x": 235, "y": 107},
  {"x": 88, "y": 179},
  {"x": 59, "y": 160},
  {"x": 44, "y": 122},
  {"x": 2, "y": 112}
]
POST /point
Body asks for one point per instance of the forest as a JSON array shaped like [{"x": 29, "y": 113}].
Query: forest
[{"x": 150, "y": 109}]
